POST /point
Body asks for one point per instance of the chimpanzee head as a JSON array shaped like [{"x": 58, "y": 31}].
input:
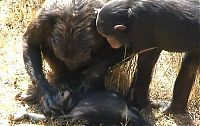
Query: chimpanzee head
[
  {"x": 112, "y": 22},
  {"x": 75, "y": 38}
]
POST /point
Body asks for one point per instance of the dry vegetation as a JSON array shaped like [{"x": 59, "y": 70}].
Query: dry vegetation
[{"x": 15, "y": 16}]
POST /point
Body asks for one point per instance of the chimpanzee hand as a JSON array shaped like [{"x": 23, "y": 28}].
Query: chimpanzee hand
[
  {"x": 89, "y": 86},
  {"x": 53, "y": 102},
  {"x": 85, "y": 87},
  {"x": 92, "y": 80}
]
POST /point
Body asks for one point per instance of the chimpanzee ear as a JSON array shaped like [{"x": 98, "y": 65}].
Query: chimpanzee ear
[{"x": 120, "y": 28}]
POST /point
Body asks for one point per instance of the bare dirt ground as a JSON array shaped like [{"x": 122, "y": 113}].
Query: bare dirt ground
[{"x": 14, "y": 18}]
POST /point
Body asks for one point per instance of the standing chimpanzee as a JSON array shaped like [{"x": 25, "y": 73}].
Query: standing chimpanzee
[
  {"x": 99, "y": 108},
  {"x": 65, "y": 35},
  {"x": 167, "y": 25}
]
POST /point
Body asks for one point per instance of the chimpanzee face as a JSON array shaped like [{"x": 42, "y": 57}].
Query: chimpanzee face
[
  {"x": 75, "y": 43},
  {"x": 112, "y": 24}
]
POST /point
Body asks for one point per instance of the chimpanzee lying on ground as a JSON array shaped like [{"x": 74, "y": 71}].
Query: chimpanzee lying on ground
[
  {"x": 64, "y": 33},
  {"x": 168, "y": 25},
  {"x": 99, "y": 107}
]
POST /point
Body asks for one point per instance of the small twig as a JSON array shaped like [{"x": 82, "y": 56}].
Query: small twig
[
  {"x": 129, "y": 57},
  {"x": 24, "y": 115}
]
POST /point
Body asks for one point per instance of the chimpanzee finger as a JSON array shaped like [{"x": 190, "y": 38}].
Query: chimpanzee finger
[
  {"x": 47, "y": 109},
  {"x": 83, "y": 89},
  {"x": 52, "y": 102}
]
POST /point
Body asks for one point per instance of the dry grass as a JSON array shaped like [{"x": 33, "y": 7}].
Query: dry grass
[
  {"x": 15, "y": 16},
  {"x": 161, "y": 88}
]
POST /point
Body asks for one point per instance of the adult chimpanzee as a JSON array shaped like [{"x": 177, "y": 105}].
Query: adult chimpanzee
[
  {"x": 167, "y": 25},
  {"x": 99, "y": 108},
  {"x": 64, "y": 33}
]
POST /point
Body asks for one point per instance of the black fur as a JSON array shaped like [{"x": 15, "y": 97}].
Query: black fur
[
  {"x": 102, "y": 108},
  {"x": 64, "y": 34},
  {"x": 167, "y": 25}
]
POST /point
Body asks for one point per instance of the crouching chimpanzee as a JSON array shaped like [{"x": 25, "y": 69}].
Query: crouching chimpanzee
[
  {"x": 65, "y": 35},
  {"x": 98, "y": 108},
  {"x": 167, "y": 25}
]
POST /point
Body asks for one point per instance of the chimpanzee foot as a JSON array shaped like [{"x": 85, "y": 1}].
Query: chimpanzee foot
[
  {"x": 31, "y": 95},
  {"x": 140, "y": 103},
  {"x": 25, "y": 97},
  {"x": 54, "y": 103},
  {"x": 175, "y": 110},
  {"x": 159, "y": 104},
  {"x": 168, "y": 108}
]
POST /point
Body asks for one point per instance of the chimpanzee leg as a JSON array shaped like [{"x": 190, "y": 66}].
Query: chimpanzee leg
[
  {"x": 140, "y": 86},
  {"x": 184, "y": 82}
]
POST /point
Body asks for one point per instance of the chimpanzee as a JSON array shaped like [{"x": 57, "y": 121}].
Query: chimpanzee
[
  {"x": 99, "y": 108},
  {"x": 64, "y": 34},
  {"x": 166, "y": 25}
]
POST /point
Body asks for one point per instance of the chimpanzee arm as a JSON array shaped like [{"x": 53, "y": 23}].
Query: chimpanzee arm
[
  {"x": 35, "y": 35},
  {"x": 33, "y": 65}
]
